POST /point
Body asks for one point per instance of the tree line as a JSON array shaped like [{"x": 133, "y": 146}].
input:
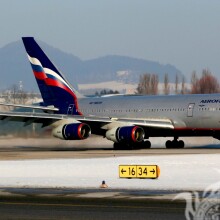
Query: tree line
[
  {"x": 207, "y": 83},
  {"x": 106, "y": 92}
]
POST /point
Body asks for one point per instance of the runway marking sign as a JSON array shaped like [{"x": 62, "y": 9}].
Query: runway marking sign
[{"x": 139, "y": 171}]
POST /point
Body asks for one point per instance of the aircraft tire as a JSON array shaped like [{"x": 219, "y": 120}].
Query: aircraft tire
[
  {"x": 130, "y": 147},
  {"x": 181, "y": 144},
  {"x": 147, "y": 144},
  {"x": 169, "y": 144},
  {"x": 123, "y": 146},
  {"x": 174, "y": 144},
  {"x": 117, "y": 146},
  {"x": 142, "y": 145}
]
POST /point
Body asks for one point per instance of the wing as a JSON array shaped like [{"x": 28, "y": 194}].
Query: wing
[
  {"x": 29, "y": 118},
  {"x": 103, "y": 123}
]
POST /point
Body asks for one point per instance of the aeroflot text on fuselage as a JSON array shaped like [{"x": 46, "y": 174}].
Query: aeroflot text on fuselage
[{"x": 206, "y": 101}]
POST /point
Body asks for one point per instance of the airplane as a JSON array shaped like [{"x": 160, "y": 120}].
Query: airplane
[{"x": 126, "y": 120}]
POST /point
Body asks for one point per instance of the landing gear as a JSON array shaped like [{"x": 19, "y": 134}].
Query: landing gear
[
  {"x": 175, "y": 144},
  {"x": 143, "y": 145},
  {"x": 119, "y": 146},
  {"x": 125, "y": 146},
  {"x": 181, "y": 144},
  {"x": 147, "y": 144}
]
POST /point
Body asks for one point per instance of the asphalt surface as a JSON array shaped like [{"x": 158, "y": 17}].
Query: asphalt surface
[
  {"x": 94, "y": 147},
  {"x": 89, "y": 210},
  {"x": 77, "y": 204},
  {"x": 45, "y": 152}
]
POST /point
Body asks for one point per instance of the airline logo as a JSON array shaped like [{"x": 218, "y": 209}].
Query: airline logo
[
  {"x": 207, "y": 101},
  {"x": 51, "y": 78}
]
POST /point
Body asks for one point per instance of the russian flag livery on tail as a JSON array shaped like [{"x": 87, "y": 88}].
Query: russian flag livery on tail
[{"x": 54, "y": 88}]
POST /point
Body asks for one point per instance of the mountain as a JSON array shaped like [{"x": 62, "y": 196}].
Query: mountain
[{"x": 15, "y": 67}]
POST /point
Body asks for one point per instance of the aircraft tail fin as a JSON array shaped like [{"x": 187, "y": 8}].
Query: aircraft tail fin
[{"x": 54, "y": 88}]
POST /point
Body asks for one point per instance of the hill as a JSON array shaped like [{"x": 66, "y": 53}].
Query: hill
[{"x": 15, "y": 67}]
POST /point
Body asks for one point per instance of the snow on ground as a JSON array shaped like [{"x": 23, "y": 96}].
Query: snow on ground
[{"x": 185, "y": 172}]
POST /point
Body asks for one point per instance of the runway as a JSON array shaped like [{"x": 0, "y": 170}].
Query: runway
[
  {"x": 67, "y": 204},
  {"x": 22, "y": 153},
  {"x": 37, "y": 148}
]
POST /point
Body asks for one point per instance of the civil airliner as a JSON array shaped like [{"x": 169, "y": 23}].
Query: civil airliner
[{"x": 129, "y": 121}]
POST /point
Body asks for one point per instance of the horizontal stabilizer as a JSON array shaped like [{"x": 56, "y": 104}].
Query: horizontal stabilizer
[{"x": 49, "y": 108}]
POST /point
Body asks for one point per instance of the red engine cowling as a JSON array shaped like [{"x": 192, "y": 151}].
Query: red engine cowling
[
  {"x": 127, "y": 134},
  {"x": 74, "y": 131}
]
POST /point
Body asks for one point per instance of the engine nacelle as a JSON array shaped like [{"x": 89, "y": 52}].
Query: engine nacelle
[
  {"x": 75, "y": 131},
  {"x": 127, "y": 134}
]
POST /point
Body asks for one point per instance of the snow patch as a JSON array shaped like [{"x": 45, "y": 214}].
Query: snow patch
[{"x": 188, "y": 172}]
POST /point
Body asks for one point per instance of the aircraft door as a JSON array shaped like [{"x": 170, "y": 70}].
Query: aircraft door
[
  {"x": 190, "y": 110},
  {"x": 70, "y": 109}
]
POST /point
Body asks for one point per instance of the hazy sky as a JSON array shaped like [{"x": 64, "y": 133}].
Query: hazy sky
[{"x": 185, "y": 33}]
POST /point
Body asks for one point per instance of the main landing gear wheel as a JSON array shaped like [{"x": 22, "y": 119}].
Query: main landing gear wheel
[
  {"x": 117, "y": 146},
  {"x": 124, "y": 146},
  {"x": 147, "y": 144},
  {"x": 143, "y": 145},
  {"x": 175, "y": 144}
]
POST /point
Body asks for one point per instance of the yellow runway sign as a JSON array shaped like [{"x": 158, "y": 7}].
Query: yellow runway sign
[{"x": 139, "y": 171}]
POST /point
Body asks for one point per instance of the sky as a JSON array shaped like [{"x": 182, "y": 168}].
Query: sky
[{"x": 182, "y": 33}]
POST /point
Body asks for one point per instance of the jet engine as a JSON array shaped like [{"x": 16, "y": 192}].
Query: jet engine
[
  {"x": 75, "y": 131},
  {"x": 126, "y": 134}
]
